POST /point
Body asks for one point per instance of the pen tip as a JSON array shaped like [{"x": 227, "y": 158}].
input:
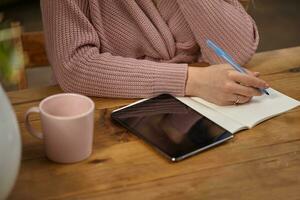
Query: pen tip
[{"x": 267, "y": 93}]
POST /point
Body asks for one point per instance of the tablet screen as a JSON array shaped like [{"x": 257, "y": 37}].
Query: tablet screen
[{"x": 171, "y": 126}]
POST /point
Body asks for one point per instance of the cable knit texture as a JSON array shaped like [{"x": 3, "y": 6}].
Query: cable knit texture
[{"x": 135, "y": 48}]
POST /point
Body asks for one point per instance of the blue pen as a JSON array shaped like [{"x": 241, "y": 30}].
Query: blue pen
[{"x": 220, "y": 52}]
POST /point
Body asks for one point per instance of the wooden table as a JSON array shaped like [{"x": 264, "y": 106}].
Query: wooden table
[{"x": 261, "y": 163}]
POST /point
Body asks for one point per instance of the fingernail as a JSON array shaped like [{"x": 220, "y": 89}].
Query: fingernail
[
  {"x": 256, "y": 74},
  {"x": 267, "y": 85}
]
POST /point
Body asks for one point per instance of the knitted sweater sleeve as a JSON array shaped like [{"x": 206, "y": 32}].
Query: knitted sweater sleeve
[
  {"x": 224, "y": 22},
  {"x": 74, "y": 51}
]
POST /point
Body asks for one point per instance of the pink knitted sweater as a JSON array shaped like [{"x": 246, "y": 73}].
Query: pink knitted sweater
[{"x": 134, "y": 48}]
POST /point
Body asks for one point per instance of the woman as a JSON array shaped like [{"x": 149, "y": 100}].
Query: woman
[{"x": 140, "y": 48}]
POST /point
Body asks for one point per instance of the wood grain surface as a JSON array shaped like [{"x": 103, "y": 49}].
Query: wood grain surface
[{"x": 261, "y": 163}]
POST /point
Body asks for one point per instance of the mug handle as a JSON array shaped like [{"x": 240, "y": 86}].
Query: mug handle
[{"x": 30, "y": 129}]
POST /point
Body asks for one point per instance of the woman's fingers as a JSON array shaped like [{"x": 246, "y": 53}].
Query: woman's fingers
[
  {"x": 239, "y": 99},
  {"x": 256, "y": 74},
  {"x": 231, "y": 99},
  {"x": 247, "y": 80},
  {"x": 235, "y": 88},
  {"x": 222, "y": 85}
]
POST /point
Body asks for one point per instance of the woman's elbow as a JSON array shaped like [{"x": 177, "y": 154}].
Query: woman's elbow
[
  {"x": 67, "y": 78},
  {"x": 66, "y": 86}
]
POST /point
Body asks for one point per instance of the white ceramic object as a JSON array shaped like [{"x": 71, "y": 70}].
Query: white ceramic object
[{"x": 10, "y": 146}]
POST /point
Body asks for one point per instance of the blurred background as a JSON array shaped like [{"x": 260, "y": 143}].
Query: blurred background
[{"x": 278, "y": 22}]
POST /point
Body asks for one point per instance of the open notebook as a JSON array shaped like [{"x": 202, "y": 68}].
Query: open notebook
[{"x": 237, "y": 117}]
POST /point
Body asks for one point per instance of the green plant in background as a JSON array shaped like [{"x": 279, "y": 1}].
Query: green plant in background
[
  {"x": 11, "y": 55},
  {"x": 6, "y": 51}
]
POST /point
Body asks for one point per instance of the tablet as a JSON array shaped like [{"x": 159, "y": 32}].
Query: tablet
[{"x": 170, "y": 126}]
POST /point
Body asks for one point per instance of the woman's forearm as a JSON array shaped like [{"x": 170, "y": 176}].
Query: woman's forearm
[{"x": 74, "y": 51}]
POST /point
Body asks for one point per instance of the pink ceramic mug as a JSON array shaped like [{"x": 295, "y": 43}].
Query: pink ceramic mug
[{"x": 67, "y": 125}]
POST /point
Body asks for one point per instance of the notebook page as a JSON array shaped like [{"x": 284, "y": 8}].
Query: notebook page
[
  {"x": 257, "y": 110},
  {"x": 222, "y": 120}
]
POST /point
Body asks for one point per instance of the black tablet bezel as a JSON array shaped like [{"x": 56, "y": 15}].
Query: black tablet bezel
[{"x": 156, "y": 147}]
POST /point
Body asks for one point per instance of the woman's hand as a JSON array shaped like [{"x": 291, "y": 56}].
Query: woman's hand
[{"x": 222, "y": 85}]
